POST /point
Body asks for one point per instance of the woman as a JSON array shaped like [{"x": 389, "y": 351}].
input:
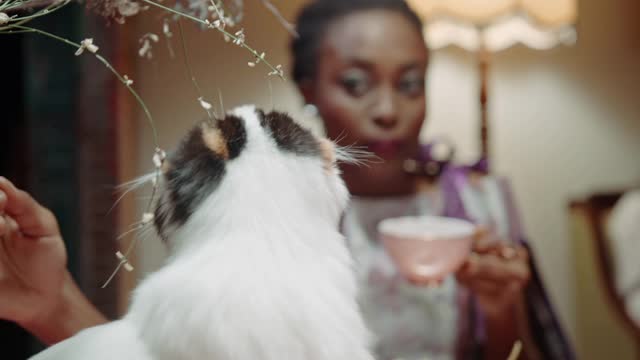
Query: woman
[{"x": 362, "y": 64}]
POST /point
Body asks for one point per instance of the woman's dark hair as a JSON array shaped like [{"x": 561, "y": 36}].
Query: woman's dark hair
[{"x": 314, "y": 19}]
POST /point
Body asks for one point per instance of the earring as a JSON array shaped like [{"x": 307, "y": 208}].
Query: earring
[{"x": 310, "y": 110}]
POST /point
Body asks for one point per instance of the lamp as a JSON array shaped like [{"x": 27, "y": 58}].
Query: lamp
[{"x": 488, "y": 26}]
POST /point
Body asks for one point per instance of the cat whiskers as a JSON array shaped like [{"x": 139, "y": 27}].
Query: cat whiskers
[
  {"x": 356, "y": 155},
  {"x": 145, "y": 223},
  {"x": 353, "y": 154},
  {"x": 342, "y": 136},
  {"x": 221, "y": 102},
  {"x": 130, "y": 186},
  {"x": 143, "y": 227},
  {"x": 137, "y": 226}
]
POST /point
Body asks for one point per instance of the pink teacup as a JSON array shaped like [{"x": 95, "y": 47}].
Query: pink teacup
[{"x": 427, "y": 247}]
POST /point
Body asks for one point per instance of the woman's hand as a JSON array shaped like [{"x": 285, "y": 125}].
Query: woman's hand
[
  {"x": 37, "y": 291},
  {"x": 33, "y": 258},
  {"x": 496, "y": 273}
]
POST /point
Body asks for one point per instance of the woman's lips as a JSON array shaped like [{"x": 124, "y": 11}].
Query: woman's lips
[{"x": 386, "y": 148}]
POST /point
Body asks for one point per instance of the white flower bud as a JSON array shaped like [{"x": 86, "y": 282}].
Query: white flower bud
[
  {"x": 166, "y": 30},
  {"x": 147, "y": 218},
  {"x": 88, "y": 44},
  {"x": 158, "y": 157},
  {"x": 4, "y": 18},
  {"x": 205, "y": 105}
]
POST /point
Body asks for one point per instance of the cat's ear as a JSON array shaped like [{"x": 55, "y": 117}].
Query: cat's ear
[
  {"x": 328, "y": 152},
  {"x": 214, "y": 139},
  {"x": 225, "y": 138}
]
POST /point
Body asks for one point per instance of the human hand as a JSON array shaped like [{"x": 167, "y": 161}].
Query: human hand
[
  {"x": 33, "y": 257},
  {"x": 496, "y": 273}
]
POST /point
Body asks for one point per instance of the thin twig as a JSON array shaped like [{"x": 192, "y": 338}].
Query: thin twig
[
  {"x": 274, "y": 10},
  {"x": 135, "y": 94},
  {"x": 186, "y": 64},
  {"x": 276, "y": 70},
  {"x": 515, "y": 351},
  {"x": 167, "y": 36},
  {"x": 220, "y": 17},
  {"x": 17, "y": 21},
  {"x": 11, "y": 32},
  {"x": 108, "y": 65},
  {"x": 20, "y": 5},
  {"x": 271, "y": 93}
]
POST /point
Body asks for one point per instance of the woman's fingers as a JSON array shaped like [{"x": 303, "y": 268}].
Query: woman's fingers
[
  {"x": 12, "y": 203},
  {"x": 494, "y": 268},
  {"x": 3, "y": 227},
  {"x": 486, "y": 287},
  {"x": 10, "y": 237},
  {"x": 33, "y": 219},
  {"x": 12, "y": 226},
  {"x": 3, "y": 204},
  {"x": 3, "y": 201},
  {"x": 485, "y": 240}
]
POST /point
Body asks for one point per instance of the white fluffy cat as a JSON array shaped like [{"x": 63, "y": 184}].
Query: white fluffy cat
[{"x": 249, "y": 207}]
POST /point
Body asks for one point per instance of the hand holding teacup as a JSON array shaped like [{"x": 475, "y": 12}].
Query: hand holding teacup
[
  {"x": 495, "y": 272},
  {"x": 426, "y": 249}
]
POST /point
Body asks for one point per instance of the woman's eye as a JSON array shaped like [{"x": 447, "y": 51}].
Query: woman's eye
[
  {"x": 356, "y": 83},
  {"x": 411, "y": 87}
]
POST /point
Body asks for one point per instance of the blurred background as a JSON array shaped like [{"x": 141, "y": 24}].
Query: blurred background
[{"x": 564, "y": 128}]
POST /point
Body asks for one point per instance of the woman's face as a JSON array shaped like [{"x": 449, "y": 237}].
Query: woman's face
[{"x": 370, "y": 85}]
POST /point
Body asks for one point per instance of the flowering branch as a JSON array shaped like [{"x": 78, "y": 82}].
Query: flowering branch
[
  {"x": 159, "y": 156},
  {"x": 12, "y": 24},
  {"x": 238, "y": 38},
  {"x": 217, "y": 10},
  {"x": 14, "y": 21},
  {"x": 17, "y": 5}
]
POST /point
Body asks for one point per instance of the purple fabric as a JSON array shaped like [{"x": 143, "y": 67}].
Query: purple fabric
[
  {"x": 481, "y": 166},
  {"x": 544, "y": 324}
]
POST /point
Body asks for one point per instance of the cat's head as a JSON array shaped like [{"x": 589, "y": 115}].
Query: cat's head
[{"x": 253, "y": 165}]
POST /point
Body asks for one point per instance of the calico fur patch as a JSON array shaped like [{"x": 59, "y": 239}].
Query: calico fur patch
[
  {"x": 202, "y": 156},
  {"x": 288, "y": 135}
]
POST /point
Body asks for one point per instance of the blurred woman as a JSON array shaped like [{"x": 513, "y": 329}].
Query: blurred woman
[{"x": 362, "y": 65}]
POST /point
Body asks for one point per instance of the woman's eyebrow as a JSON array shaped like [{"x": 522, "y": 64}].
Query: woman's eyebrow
[
  {"x": 412, "y": 66},
  {"x": 356, "y": 61}
]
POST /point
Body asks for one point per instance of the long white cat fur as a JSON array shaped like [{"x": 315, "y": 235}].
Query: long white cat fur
[{"x": 246, "y": 282}]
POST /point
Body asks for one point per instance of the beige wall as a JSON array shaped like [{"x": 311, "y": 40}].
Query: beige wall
[{"x": 564, "y": 122}]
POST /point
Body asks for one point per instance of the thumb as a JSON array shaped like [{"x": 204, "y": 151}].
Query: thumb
[
  {"x": 485, "y": 240},
  {"x": 480, "y": 232}
]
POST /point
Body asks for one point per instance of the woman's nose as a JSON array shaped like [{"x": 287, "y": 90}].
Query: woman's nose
[{"x": 385, "y": 112}]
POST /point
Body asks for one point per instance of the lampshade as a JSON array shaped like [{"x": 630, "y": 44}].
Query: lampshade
[
  {"x": 495, "y": 25},
  {"x": 486, "y": 26}
]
